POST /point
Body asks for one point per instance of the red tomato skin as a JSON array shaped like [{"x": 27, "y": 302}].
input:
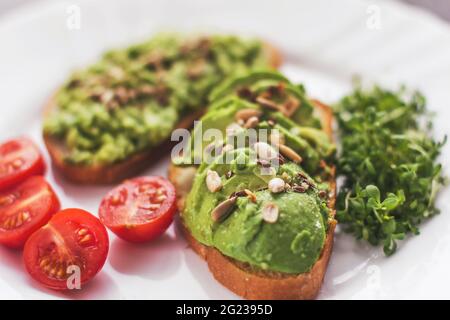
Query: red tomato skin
[
  {"x": 16, "y": 238},
  {"x": 143, "y": 232},
  {"x": 35, "y": 168},
  {"x": 31, "y": 249}
]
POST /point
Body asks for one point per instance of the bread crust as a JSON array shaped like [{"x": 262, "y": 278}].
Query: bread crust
[
  {"x": 111, "y": 173},
  {"x": 239, "y": 277},
  {"x": 133, "y": 165}
]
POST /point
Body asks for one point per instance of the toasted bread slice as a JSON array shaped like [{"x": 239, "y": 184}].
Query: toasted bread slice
[
  {"x": 239, "y": 277},
  {"x": 117, "y": 172}
]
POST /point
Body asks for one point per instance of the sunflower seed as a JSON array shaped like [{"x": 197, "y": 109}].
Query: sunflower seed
[
  {"x": 265, "y": 151},
  {"x": 276, "y": 138},
  {"x": 290, "y": 106},
  {"x": 251, "y": 122},
  {"x": 276, "y": 185},
  {"x": 270, "y": 213},
  {"x": 223, "y": 209},
  {"x": 250, "y": 195},
  {"x": 245, "y": 114},
  {"x": 266, "y": 103},
  {"x": 290, "y": 154},
  {"x": 213, "y": 181}
]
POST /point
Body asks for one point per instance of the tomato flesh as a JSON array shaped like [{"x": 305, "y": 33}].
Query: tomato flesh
[
  {"x": 140, "y": 209},
  {"x": 73, "y": 241},
  {"x": 19, "y": 160},
  {"x": 24, "y": 209}
]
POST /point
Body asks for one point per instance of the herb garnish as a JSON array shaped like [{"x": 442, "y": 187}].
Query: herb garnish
[{"x": 388, "y": 160}]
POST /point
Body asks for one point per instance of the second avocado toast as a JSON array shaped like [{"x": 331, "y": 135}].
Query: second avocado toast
[
  {"x": 104, "y": 123},
  {"x": 265, "y": 231}
]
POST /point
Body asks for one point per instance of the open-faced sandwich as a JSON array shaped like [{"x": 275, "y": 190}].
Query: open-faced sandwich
[
  {"x": 105, "y": 123},
  {"x": 259, "y": 205}
]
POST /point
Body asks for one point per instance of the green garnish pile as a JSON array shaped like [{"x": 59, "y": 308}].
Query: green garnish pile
[{"x": 389, "y": 164}]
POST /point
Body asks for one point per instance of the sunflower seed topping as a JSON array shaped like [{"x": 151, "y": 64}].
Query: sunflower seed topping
[
  {"x": 250, "y": 195},
  {"x": 245, "y": 114},
  {"x": 266, "y": 103},
  {"x": 270, "y": 213},
  {"x": 251, "y": 122},
  {"x": 276, "y": 138},
  {"x": 223, "y": 209},
  {"x": 213, "y": 181},
  {"x": 276, "y": 185},
  {"x": 265, "y": 151},
  {"x": 290, "y": 154}
]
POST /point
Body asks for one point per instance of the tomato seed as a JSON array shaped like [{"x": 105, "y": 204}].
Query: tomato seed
[
  {"x": 117, "y": 199},
  {"x": 44, "y": 262},
  {"x": 159, "y": 191},
  {"x": 161, "y": 198},
  {"x": 16, "y": 164},
  {"x": 87, "y": 240},
  {"x": 61, "y": 272},
  {"x": 82, "y": 231},
  {"x": 25, "y": 215},
  {"x": 7, "y": 200}
]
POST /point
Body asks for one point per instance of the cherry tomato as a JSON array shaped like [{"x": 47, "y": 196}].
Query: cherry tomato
[
  {"x": 24, "y": 209},
  {"x": 19, "y": 159},
  {"x": 73, "y": 244},
  {"x": 140, "y": 209}
]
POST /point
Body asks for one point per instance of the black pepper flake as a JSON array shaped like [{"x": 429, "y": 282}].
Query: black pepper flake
[
  {"x": 323, "y": 194},
  {"x": 73, "y": 83},
  {"x": 241, "y": 193},
  {"x": 302, "y": 175},
  {"x": 299, "y": 189},
  {"x": 281, "y": 159},
  {"x": 245, "y": 93},
  {"x": 306, "y": 180},
  {"x": 263, "y": 163}
]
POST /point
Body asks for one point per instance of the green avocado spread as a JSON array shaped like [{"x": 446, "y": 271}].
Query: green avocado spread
[
  {"x": 131, "y": 99},
  {"x": 233, "y": 204}
]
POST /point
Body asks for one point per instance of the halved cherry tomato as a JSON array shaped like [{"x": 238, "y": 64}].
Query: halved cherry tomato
[
  {"x": 24, "y": 209},
  {"x": 140, "y": 209},
  {"x": 19, "y": 159},
  {"x": 73, "y": 241}
]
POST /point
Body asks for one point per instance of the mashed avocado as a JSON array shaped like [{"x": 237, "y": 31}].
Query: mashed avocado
[
  {"x": 292, "y": 239},
  {"x": 132, "y": 98},
  {"x": 290, "y": 245}
]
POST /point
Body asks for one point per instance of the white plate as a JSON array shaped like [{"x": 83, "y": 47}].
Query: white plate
[{"x": 325, "y": 42}]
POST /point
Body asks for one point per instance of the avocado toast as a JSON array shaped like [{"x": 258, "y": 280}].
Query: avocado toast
[
  {"x": 263, "y": 221},
  {"x": 105, "y": 123}
]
